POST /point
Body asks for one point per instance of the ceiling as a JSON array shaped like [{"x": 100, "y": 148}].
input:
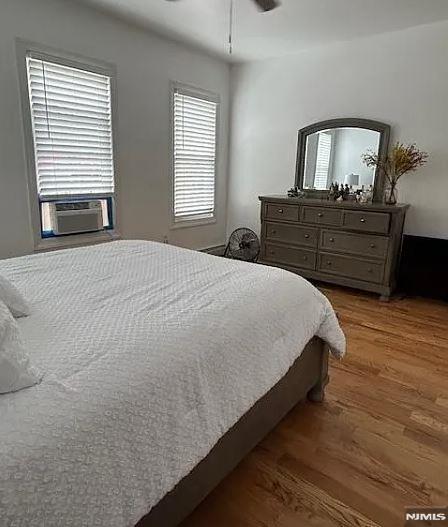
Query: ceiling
[{"x": 294, "y": 26}]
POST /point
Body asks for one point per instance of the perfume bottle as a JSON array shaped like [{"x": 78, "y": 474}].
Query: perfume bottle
[{"x": 363, "y": 197}]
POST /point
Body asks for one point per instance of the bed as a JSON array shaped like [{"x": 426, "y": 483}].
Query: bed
[{"x": 162, "y": 368}]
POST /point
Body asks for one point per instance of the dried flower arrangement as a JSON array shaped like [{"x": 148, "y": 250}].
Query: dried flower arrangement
[{"x": 400, "y": 160}]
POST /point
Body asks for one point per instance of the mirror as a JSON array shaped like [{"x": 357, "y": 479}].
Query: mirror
[
  {"x": 334, "y": 156},
  {"x": 330, "y": 152}
]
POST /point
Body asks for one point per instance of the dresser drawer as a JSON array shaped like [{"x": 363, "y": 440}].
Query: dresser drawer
[
  {"x": 361, "y": 244},
  {"x": 290, "y": 255},
  {"x": 321, "y": 215},
  {"x": 292, "y": 234},
  {"x": 282, "y": 212},
  {"x": 367, "y": 221},
  {"x": 351, "y": 267}
]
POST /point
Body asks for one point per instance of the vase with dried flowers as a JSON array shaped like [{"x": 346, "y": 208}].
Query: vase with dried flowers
[{"x": 399, "y": 161}]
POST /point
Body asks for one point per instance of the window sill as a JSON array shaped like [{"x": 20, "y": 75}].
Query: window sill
[
  {"x": 182, "y": 224},
  {"x": 75, "y": 240}
]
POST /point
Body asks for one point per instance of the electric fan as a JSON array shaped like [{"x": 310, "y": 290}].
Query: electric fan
[{"x": 243, "y": 245}]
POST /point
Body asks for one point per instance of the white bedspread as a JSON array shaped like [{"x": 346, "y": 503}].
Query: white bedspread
[{"x": 150, "y": 354}]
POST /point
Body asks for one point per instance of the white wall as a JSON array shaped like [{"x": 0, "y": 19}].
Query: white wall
[
  {"x": 350, "y": 144},
  {"x": 400, "y": 78},
  {"x": 145, "y": 65}
]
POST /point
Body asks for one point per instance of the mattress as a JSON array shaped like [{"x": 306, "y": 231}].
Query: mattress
[{"x": 150, "y": 353}]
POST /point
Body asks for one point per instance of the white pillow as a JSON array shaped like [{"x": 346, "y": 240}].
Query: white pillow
[
  {"x": 12, "y": 297},
  {"x": 15, "y": 369}
]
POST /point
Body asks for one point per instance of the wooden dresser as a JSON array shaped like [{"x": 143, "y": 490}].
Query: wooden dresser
[{"x": 343, "y": 243}]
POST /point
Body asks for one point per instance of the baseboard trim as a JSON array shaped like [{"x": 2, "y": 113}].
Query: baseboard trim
[{"x": 217, "y": 250}]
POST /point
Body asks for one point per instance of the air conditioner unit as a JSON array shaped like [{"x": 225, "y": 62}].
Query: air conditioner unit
[{"x": 70, "y": 217}]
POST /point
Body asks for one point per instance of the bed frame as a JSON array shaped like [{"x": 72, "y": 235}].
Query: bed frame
[{"x": 308, "y": 376}]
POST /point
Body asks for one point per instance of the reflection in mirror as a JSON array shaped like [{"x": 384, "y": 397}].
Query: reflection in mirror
[{"x": 334, "y": 156}]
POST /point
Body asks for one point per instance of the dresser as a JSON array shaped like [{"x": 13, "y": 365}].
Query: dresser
[{"x": 349, "y": 244}]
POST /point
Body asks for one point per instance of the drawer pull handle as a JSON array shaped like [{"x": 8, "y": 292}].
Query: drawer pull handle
[
  {"x": 332, "y": 240},
  {"x": 305, "y": 258},
  {"x": 280, "y": 211},
  {"x": 320, "y": 214},
  {"x": 372, "y": 246},
  {"x": 307, "y": 236},
  {"x": 328, "y": 263},
  {"x": 362, "y": 220},
  {"x": 273, "y": 231}
]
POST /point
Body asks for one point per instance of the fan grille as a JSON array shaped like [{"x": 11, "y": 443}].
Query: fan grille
[{"x": 243, "y": 245}]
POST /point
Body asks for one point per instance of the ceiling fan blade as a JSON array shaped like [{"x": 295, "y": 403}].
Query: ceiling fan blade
[{"x": 267, "y": 5}]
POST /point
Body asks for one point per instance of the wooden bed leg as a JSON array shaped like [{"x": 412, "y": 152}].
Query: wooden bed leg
[{"x": 317, "y": 392}]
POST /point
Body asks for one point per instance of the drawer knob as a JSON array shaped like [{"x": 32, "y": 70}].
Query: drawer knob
[
  {"x": 372, "y": 246},
  {"x": 331, "y": 239},
  {"x": 307, "y": 236},
  {"x": 370, "y": 270},
  {"x": 305, "y": 258},
  {"x": 329, "y": 263},
  {"x": 362, "y": 220},
  {"x": 273, "y": 231},
  {"x": 320, "y": 214},
  {"x": 280, "y": 211},
  {"x": 271, "y": 252}
]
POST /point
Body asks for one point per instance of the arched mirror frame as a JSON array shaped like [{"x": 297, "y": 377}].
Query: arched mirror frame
[{"x": 347, "y": 122}]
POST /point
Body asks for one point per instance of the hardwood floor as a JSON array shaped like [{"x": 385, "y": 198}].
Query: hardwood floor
[{"x": 377, "y": 444}]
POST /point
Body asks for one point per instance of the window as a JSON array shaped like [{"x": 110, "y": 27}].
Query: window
[
  {"x": 71, "y": 119},
  {"x": 194, "y": 136},
  {"x": 323, "y": 161}
]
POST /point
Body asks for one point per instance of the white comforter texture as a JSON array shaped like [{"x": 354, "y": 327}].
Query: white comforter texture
[{"x": 150, "y": 353}]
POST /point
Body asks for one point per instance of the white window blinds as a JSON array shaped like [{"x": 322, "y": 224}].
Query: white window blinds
[
  {"x": 323, "y": 161},
  {"x": 195, "y": 120},
  {"x": 72, "y": 129}
]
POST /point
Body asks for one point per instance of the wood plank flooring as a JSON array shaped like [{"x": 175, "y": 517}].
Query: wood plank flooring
[{"x": 377, "y": 444}]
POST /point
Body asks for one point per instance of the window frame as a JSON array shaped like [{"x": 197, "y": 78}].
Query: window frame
[
  {"x": 193, "y": 91},
  {"x": 24, "y": 49},
  {"x": 330, "y": 157}
]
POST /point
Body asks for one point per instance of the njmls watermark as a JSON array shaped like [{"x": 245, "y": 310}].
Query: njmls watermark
[{"x": 426, "y": 516}]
